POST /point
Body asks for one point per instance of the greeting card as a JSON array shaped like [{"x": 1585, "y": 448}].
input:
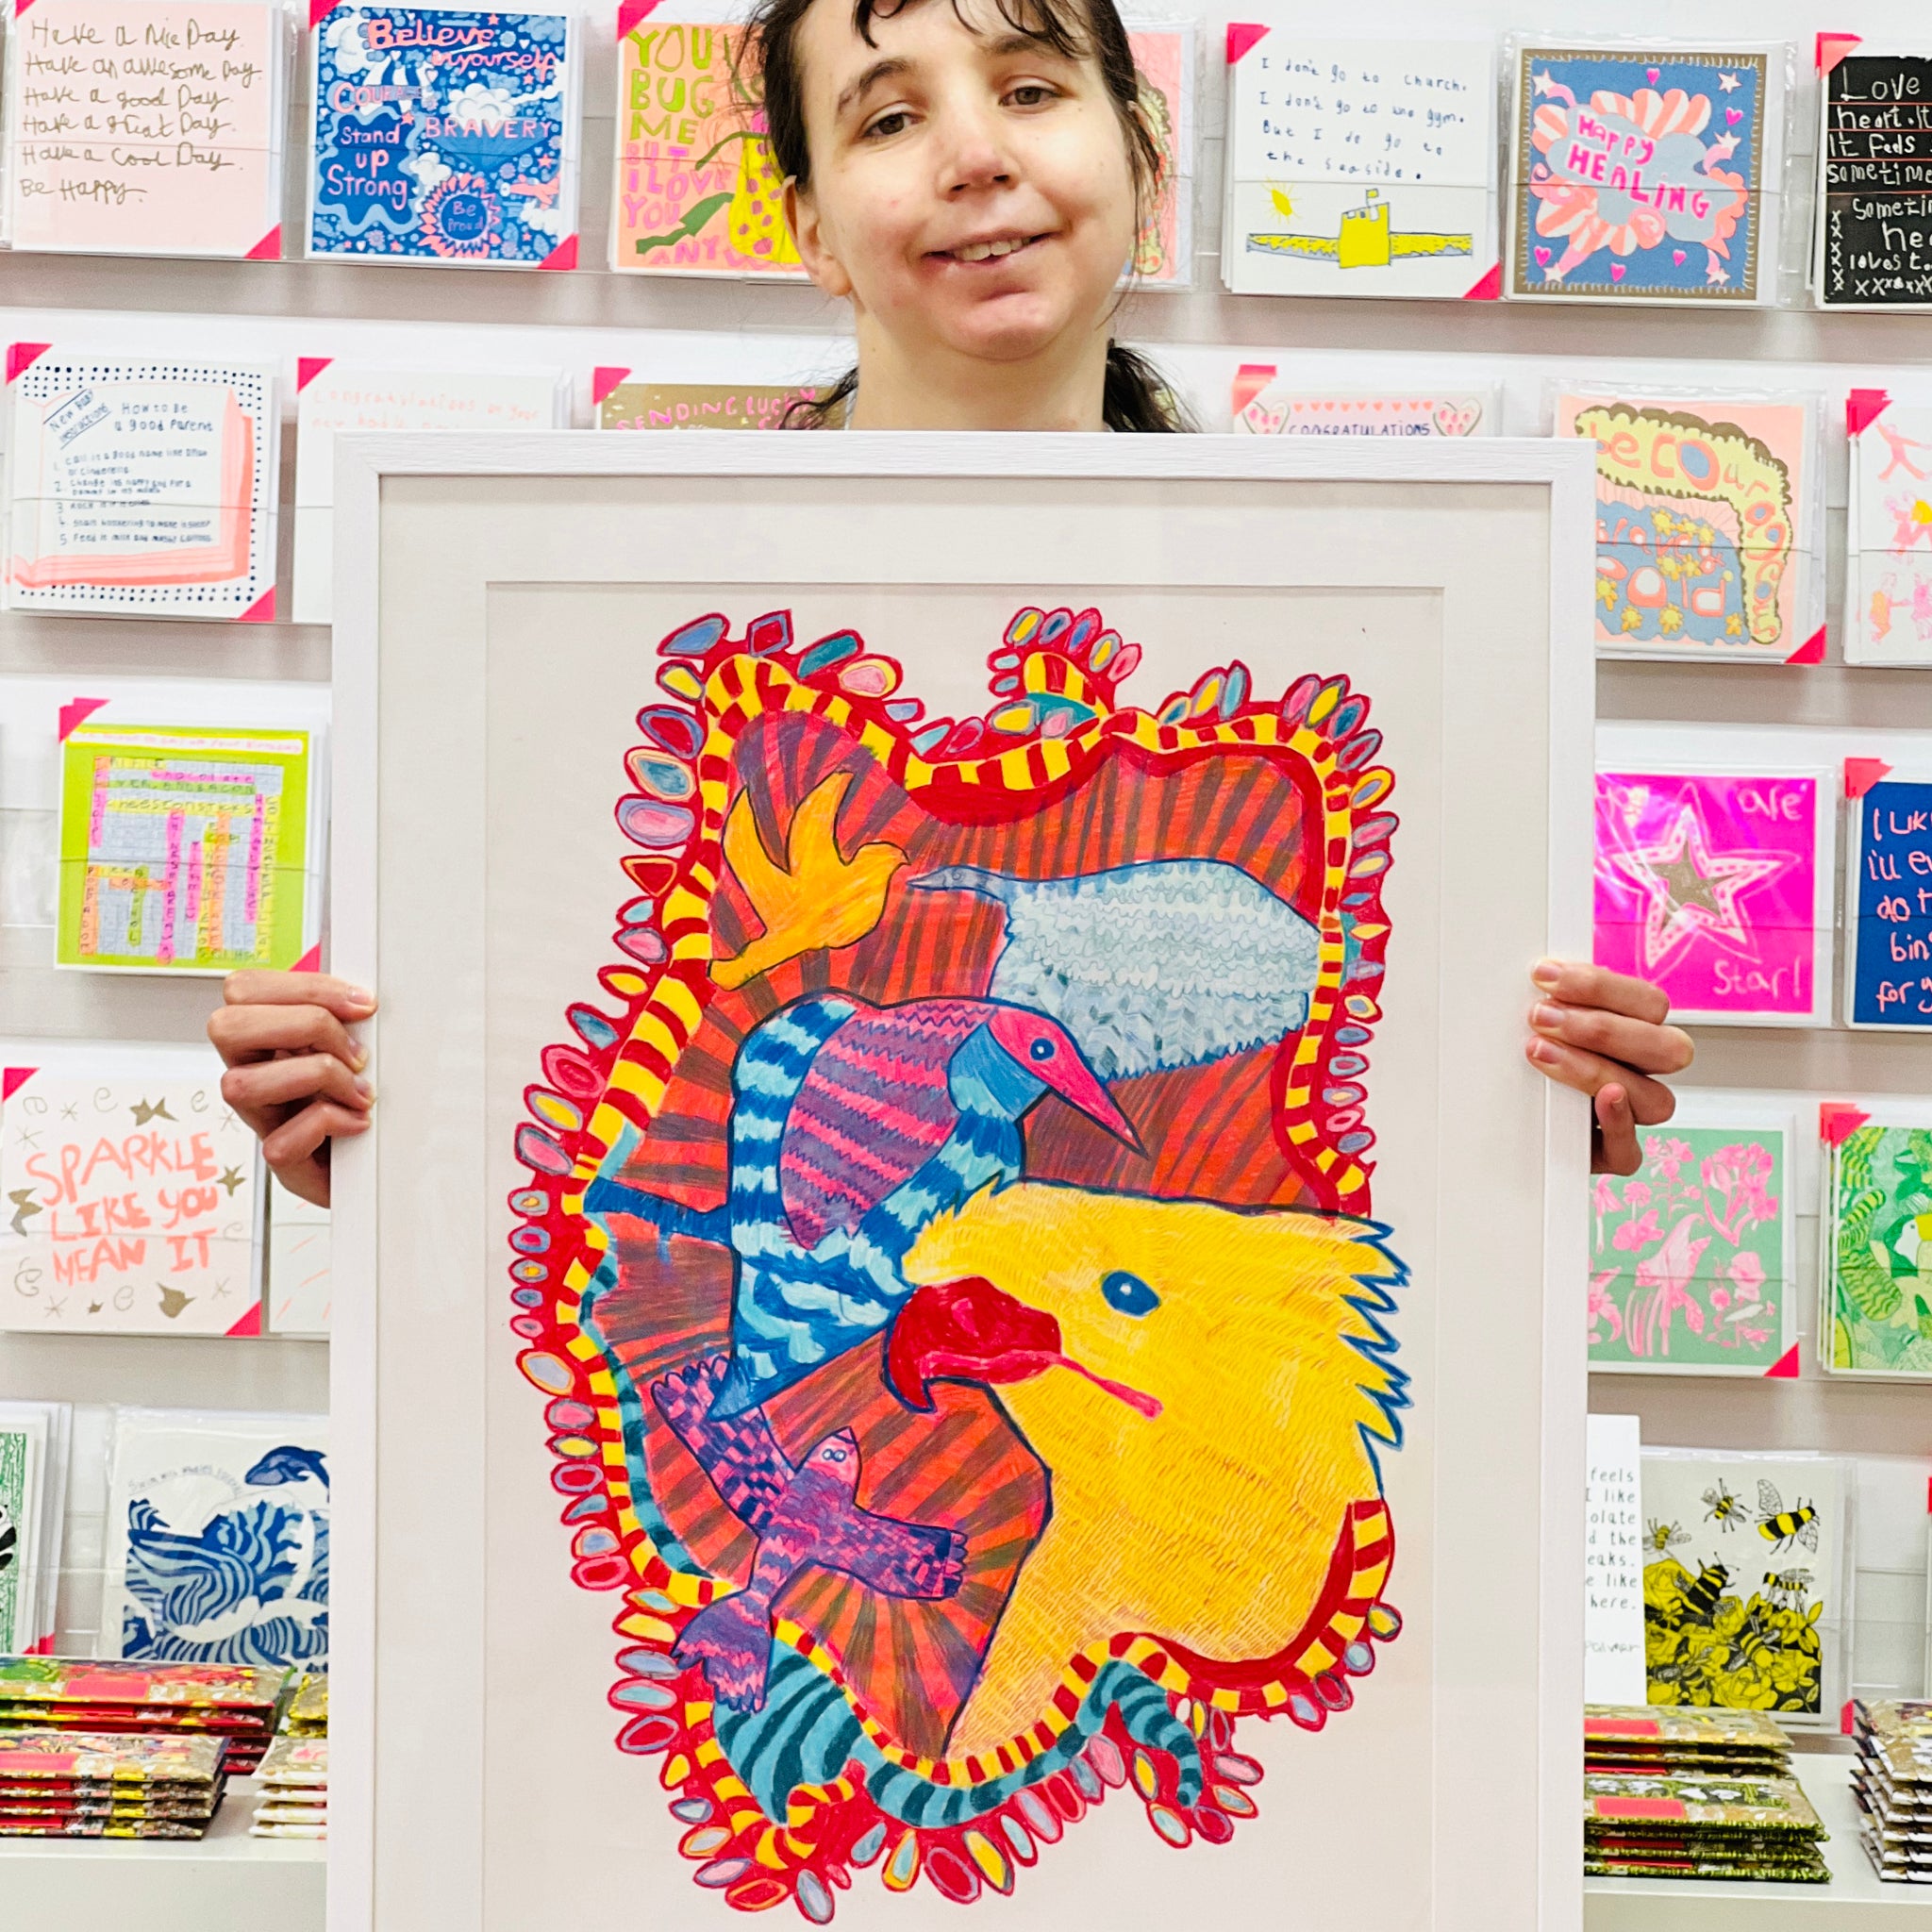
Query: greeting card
[
  {"x": 141, "y": 487},
  {"x": 1716, "y": 884},
  {"x": 1693, "y": 1258},
  {"x": 440, "y": 135},
  {"x": 698, "y": 404},
  {"x": 1874, "y": 171},
  {"x": 1888, "y": 527},
  {"x": 1888, "y": 905},
  {"x": 1164, "y": 250},
  {"x": 187, "y": 851},
  {"x": 1744, "y": 1593},
  {"x": 1359, "y": 166},
  {"x": 300, "y": 1297},
  {"x": 337, "y": 397},
  {"x": 1877, "y": 1299},
  {"x": 1264, "y": 405},
  {"x": 1707, "y": 510},
  {"x": 1646, "y": 174},
  {"x": 216, "y": 1544},
  {"x": 129, "y": 1195},
  {"x": 34, "y": 1446},
  {"x": 146, "y": 127}
]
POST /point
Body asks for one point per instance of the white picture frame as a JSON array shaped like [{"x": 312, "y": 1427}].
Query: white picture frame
[{"x": 447, "y": 1563}]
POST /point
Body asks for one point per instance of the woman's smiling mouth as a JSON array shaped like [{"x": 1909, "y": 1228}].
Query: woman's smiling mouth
[{"x": 988, "y": 251}]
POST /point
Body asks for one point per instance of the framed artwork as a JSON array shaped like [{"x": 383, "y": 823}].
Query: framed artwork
[
  {"x": 1874, "y": 163},
  {"x": 1716, "y": 874},
  {"x": 1646, "y": 172},
  {"x": 1888, "y": 617},
  {"x": 863, "y": 1433},
  {"x": 1737, "y": 1544},
  {"x": 1693, "y": 1259},
  {"x": 1709, "y": 524},
  {"x": 1875, "y": 1315},
  {"x": 1888, "y": 895},
  {"x": 1359, "y": 166}
]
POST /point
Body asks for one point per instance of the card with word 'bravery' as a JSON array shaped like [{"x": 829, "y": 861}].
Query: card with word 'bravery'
[
  {"x": 1872, "y": 237},
  {"x": 1717, "y": 884},
  {"x": 186, "y": 850},
  {"x": 130, "y": 1202},
  {"x": 1889, "y": 897},
  {"x": 1708, "y": 526},
  {"x": 1888, "y": 617},
  {"x": 146, "y": 127},
  {"x": 337, "y": 397},
  {"x": 1693, "y": 1259},
  {"x": 442, "y": 136},
  {"x": 1876, "y": 1304},
  {"x": 1359, "y": 167},
  {"x": 1647, "y": 173},
  {"x": 1265, "y": 405},
  {"x": 141, "y": 487}
]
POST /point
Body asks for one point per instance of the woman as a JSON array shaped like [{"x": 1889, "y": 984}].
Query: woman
[{"x": 971, "y": 176}]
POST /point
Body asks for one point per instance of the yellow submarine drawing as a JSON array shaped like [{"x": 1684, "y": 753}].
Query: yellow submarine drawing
[{"x": 1366, "y": 239}]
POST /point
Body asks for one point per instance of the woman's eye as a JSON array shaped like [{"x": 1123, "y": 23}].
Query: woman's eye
[
  {"x": 887, "y": 124},
  {"x": 1034, "y": 94}
]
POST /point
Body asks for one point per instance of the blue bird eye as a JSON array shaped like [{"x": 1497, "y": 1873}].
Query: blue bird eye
[
  {"x": 1042, "y": 1050},
  {"x": 1129, "y": 1294}
]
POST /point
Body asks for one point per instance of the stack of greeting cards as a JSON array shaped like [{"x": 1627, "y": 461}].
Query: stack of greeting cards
[
  {"x": 308, "y": 1709},
  {"x": 63, "y": 1784},
  {"x": 1699, "y": 1826},
  {"x": 294, "y": 1789},
  {"x": 1888, "y": 522},
  {"x": 140, "y": 486},
  {"x": 146, "y": 127},
  {"x": 217, "y": 1537},
  {"x": 134, "y": 1193},
  {"x": 35, "y": 1439},
  {"x": 1650, "y": 1741},
  {"x": 442, "y": 136},
  {"x": 73, "y": 1697},
  {"x": 1892, "y": 1784}
]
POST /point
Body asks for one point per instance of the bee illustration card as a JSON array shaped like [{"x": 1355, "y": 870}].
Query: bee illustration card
[
  {"x": 1877, "y": 1288},
  {"x": 1264, "y": 405},
  {"x": 1889, "y": 904},
  {"x": 1875, "y": 159},
  {"x": 444, "y": 136},
  {"x": 145, "y": 487},
  {"x": 1744, "y": 1580},
  {"x": 130, "y": 1195},
  {"x": 1692, "y": 1263},
  {"x": 217, "y": 1538},
  {"x": 1646, "y": 174},
  {"x": 1708, "y": 524},
  {"x": 1717, "y": 884},
  {"x": 1889, "y": 529},
  {"x": 1359, "y": 167}
]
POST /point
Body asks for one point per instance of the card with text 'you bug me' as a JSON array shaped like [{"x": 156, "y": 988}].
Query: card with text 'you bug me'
[{"x": 445, "y": 137}]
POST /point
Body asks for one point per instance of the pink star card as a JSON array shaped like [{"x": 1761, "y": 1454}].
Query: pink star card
[{"x": 1716, "y": 886}]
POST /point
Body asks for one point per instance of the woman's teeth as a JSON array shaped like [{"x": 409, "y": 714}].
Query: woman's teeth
[{"x": 981, "y": 251}]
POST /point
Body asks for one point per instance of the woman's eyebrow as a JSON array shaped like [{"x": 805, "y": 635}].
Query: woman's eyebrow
[{"x": 879, "y": 71}]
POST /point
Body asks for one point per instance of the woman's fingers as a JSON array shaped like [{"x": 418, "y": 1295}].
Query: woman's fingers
[
  {"x": 1639, "y": 1043},
  {"x": 1649, "y": 1101},
  {"x": 298, "y": 1137},
  {"x": 1615, "y": 1149},
  {"x": 256, "y": 1086},
  {"x": 241, "y": 1034},
  {"x": 1578, "y": 985},
  {"x": 258, "y": 988}
]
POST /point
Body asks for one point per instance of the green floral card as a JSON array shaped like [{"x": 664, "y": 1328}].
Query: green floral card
[
  {"x": 1691, "y": 1257},
  {"x": 16, "y": 1539},
  {"x": 1878, "y": 1285}
]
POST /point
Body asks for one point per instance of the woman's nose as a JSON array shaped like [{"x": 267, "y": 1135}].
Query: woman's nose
[{"x": 975, "y": 155}]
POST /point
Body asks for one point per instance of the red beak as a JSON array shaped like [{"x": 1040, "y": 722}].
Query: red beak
[{"x": 970, "y": 1331}]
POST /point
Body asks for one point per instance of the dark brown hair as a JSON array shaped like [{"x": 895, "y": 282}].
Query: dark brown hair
[{"x": 1136, "y": 397}]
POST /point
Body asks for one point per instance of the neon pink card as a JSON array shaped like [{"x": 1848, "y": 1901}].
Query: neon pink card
[{"x": 1708, "y": 884}]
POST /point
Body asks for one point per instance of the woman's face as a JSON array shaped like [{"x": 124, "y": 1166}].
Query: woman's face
[{"x": 970, "y": 188}]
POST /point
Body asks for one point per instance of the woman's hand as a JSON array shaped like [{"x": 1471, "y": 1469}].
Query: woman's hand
[
  {"x": 294, "y": 1075},
  {"x": 1604, "y": 1034}
]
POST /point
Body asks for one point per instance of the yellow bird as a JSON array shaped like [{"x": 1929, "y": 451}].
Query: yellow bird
[
  {"x": 817, "y": 900},
  {"x": 1220, "y": 1376}
]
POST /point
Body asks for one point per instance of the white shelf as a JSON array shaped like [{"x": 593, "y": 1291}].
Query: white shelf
[
  {"x": 226, "y": 1879},
  {"x": 1855, "y": 1899}
]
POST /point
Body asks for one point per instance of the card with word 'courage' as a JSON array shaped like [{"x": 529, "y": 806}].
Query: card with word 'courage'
[
  {"x": 130, "y": 1194},
  {"x": 145, "y": 127},
  {"x": 442, "y": 136}
]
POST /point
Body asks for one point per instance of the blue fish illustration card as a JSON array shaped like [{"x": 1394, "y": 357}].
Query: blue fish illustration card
[
  {"x": 1646, "y": 174},
  {"x": 445, "y": 137}
]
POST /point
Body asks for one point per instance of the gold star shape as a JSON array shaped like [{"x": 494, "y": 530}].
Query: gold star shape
[
  {"x": 144, "y": 1111},
  {"x": 24, "y": 1205},
  {"x": 1693, "y": 891},
  {"x": 231, "y": 1178}
]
